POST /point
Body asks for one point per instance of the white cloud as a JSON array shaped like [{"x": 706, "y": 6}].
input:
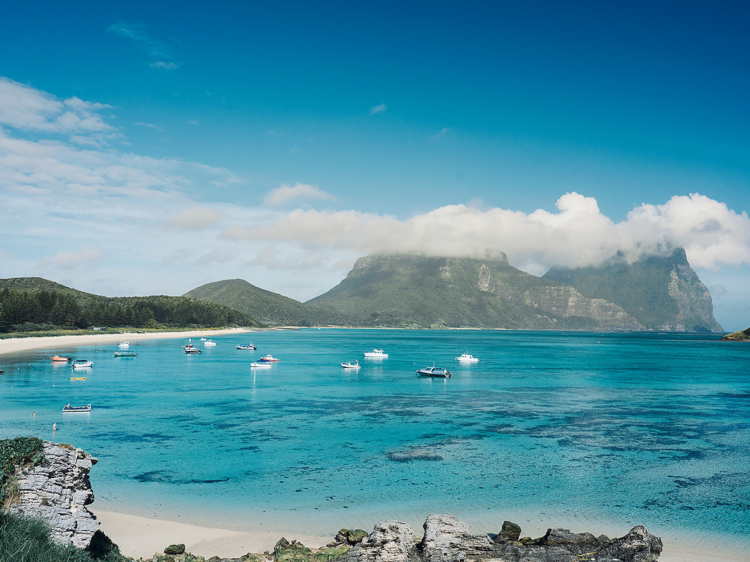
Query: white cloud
[
  {"x": 137, "y": 32},
  {"x": 378, "y": 109},
  {"x": 285, "y": 193},
  {"x": 67, "y": 260},
  {"x": 28, "y": 109},
  {"x": 164, "y": 65},
  {"x": 196, "y": 218},
  {"x": 441, "y": 134},
  {"x": 577, "y": 235}
]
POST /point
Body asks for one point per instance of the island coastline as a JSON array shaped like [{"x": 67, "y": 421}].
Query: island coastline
[{"x": 15, "y": 345}]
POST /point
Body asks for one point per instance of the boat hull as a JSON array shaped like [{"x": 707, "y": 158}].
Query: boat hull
[
  {"x": 77, "y": 409},
  {"x": 435, "y": 372}
]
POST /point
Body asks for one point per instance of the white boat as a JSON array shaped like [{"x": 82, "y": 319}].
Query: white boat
[
  {"x": 209, "y": 343},
  {"x": 190, "y": 348},
  {"x": 466, "y": 358},
  {"x": 268, "y": 359},
  {"x": 350, "y": 365},
  {"x": 81, "y": 363},
  {"x": 203, "y": 339},
  {"x": 376, "y": 354},
  {"x": 247, "y": 346},
  {"x": 260, "y": 365},
  {"x": 435, "y": 372},
  {"x": 68, "y": 409},
  {"x": 124, "y": 345}
]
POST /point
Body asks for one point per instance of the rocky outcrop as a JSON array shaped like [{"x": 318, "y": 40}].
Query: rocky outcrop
[
  {"x": 58, "y": 491},
  {"x": 446, "y": 539}
]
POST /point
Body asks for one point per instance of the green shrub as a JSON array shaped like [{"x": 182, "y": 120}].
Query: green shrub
[{"x": 19, "y": 451}]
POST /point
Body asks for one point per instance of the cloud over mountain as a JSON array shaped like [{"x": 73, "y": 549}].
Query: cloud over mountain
[{"x": 577, "y": 235}]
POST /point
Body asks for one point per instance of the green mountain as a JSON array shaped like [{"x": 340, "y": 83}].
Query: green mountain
[
  {"x": 662, "y": 293},
  {"x": 35, "y": 284},
  {"x": 267, "y": 307},
  {"x": 742, "y": 335},
  {"x": 33, "y": 303},
  {"x": 418, "y": 291}
]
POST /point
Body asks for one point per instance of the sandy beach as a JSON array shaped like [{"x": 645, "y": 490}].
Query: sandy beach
[
  {"x": 13, "y": 345},
  {"x": 142, "y": 537}
]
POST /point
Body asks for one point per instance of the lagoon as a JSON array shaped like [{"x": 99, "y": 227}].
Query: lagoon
[{"x": 590, "y": 431}]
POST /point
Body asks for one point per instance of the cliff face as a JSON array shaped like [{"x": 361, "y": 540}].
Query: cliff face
[
  {"x": 409, "y": 290},
  {"x": 58, "y": 491},
  {"x": 662, "y": 293},
  {"x": 562, "y": 301}
]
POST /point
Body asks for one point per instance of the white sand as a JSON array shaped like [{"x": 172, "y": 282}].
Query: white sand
[
  {"x": 12, "y": 345},
  {"x": 142, "y": 537}
]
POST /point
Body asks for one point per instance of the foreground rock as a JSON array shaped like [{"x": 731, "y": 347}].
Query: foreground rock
[
  {"x": 58, "y": 491},
  {"x": 446, "y": 539}
]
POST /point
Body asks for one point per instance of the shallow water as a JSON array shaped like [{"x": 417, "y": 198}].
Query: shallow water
[{"x": 595, "y": 432}]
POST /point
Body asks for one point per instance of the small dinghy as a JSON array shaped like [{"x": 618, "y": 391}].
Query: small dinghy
[
  {"x": 61, "y": 359},
  {"x": 350, "y": 365},
  {"x": 68, "y": 409},
  {"x": 246, "y": 346},
  {"x": 260, "y": 365},
  {"x": 268, "y": 359}
]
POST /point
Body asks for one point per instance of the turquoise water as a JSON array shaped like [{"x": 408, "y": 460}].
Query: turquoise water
[{"x": 596, "y": 432}]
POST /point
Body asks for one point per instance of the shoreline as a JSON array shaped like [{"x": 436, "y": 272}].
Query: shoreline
[
  {"x": 138, "y": 536},
  {"x": 14, "y": 345}
]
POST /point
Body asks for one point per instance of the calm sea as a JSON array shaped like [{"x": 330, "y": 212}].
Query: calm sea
[{"x": 590, "y": 431}]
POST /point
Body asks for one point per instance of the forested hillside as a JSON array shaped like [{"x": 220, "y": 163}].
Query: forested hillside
[{"x": 28, "y": 308}]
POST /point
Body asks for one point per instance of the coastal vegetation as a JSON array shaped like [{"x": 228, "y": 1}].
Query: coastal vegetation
[
  {"x": 34, "y": 305},
  {"x": 23, "y": 452},
  {"x": 742, "y": 335}
]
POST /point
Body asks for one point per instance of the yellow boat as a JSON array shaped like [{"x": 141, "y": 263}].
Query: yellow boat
[{"x": 78, "y": 378}]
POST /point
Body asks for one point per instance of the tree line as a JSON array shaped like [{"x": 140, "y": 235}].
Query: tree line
[{"x": 29, "y": 311}]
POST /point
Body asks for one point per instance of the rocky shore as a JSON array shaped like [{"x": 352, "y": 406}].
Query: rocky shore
[
  {"x": 57, "y": 489},
  {"x": 446, "y": 539}
]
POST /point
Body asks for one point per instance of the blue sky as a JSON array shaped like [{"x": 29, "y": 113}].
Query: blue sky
[{"x": 278, "y": 141}]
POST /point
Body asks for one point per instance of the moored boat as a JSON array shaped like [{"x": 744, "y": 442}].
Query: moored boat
[
  {"x": 247, "y": 346},
  {"x": 350, "y": 365},
  {"x": 78, "y": 378},
  {"x": 209, "y": 343},
  {"x": 68, "y": 409},
  {"x": 376, "y": 354},
  {"x": 124, "y": 345},
  {"x": 126, "y": 354},
  {"x": 61, "y": 359},
  {"x": 190, "y": 348},
  {"x": 441, "y": 372},
  {"x": 260, "y": 365},
  {"x": 268, "y": 359},
  {"x": 466, "y": 358},
  {"x": 81, "y": 363}
]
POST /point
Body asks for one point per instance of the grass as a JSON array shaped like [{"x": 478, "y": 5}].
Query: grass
[{"x": 24, "y": 539}]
